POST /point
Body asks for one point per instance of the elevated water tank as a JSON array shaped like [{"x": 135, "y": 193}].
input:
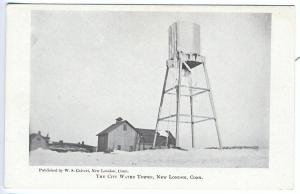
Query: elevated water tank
[{"x": 185, "y": 37}]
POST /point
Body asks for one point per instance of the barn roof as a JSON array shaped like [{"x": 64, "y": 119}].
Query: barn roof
[
  {"x": 113, "y": 126},
  {"x": 146, "y": 134},
  {"x": 32, "y": 135}
]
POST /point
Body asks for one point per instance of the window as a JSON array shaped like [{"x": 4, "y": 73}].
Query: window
[
  {"x": 119, "y": 147},
  {"x": 124, "y": 127}
]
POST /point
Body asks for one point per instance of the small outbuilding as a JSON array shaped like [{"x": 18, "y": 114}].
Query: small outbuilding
[{"x": 37, "y": 140}]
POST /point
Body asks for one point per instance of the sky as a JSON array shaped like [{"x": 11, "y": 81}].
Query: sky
[{"x": 88, "y": 68}]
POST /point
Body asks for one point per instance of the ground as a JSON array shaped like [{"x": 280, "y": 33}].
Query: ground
[{"x": 229, "y": 158}]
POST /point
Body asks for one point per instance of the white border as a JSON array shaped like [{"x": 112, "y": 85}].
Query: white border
[{"x": 281, "y": 78}]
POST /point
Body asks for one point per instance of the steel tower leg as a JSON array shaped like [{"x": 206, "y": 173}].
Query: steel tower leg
[
  {"x": 212, "y": 104},
  {"x": 178, "y": 94},
  {"x": 192, "y": 121},
  {"x": 160, "y": 106}
]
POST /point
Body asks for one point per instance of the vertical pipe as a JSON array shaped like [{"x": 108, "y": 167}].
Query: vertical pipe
[
  {"x": 192, "y": 110},
  {"x": 178, "y": 94},
  {"x": 167, "y": 139},
  {"x": 160, "y": 105},
  {"x": 212, "y": 104},
  {"x": 178, "y": 64},
  {"x": 192, "y": 120}
]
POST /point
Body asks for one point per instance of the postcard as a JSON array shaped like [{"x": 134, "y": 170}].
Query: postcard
[{"x": 149, "y": 96}]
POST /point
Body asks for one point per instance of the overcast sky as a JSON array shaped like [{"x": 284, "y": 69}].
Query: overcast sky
[{"x": 87, "y": 68}]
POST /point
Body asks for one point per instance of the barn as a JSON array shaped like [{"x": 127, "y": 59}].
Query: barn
[{"x": 124, "y": 136}]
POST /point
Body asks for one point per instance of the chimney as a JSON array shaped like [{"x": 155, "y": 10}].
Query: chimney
[
  {"x": 119, "y": 119},
  {"x": 39, "y": 132},
  {"x": 82, "y": 142}
]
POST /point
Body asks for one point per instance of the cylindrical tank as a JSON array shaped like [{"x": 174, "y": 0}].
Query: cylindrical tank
[{"x": 185, "y": 37}]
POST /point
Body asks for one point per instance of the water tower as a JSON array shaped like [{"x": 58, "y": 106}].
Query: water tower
[{"x": 184, "y": 58}]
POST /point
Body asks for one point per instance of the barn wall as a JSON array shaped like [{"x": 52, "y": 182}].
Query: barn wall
[
  {"x": 147, "y": 146},
  {"x": 99, "y": 144},
  {"x": 125, "y": 139},
  {"x": 102, "y": 142}
]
